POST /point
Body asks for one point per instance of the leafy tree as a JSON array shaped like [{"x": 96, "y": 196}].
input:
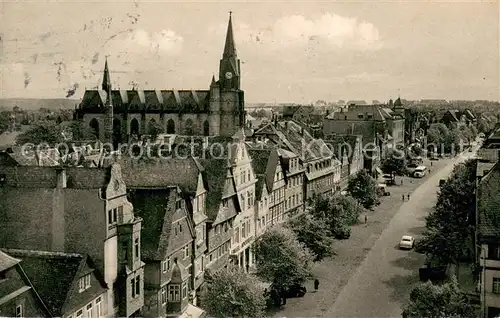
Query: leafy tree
[
  {"x": 43, "y": 132},
  {"x": 281, "y": 259},
  {"x": 363, "y": 188},
  {"x": 450, "y": 225},
  {"x": 452, "y": 140},
  {"x": 314, "y": 234},
  {"x": 394, "y": 162},
  {"x": 52, "y": 133},
  {"x": 154, "y": 129},
  {"x": 338, "y": 213},
  {"x": 233, "y": 293},
  {"x": 436, "y": 301},
  {"x": 4, "y": 121},
  {"x": 434, "y": 136}
]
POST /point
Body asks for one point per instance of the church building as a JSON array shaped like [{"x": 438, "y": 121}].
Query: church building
[{"x": 119, "y": 115}]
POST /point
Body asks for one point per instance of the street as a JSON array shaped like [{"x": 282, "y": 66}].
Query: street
[
  {"x": 381, "y": 284},
  {"x": 370, "y": 276}
]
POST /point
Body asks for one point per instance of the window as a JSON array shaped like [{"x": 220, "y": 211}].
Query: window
[
  {"x": 132, "y": 287},
  {"x": 138, "y": 285},
  {"x": 178, "y": 204},
  {"x": 224, "y": 203},
  {"x": 112, "y": 216},
  {"x": 174, "y": 293},
  {"x": 98, "y": 309},
  {"x": 186, "y": 251},
  {"x": 494, "y": 251},
  {"x": 242, "y": 176},
  {"x": 136, "y": 247},
  {"x": 184, "y": 290},
  {"x": 79, "y": 313},
  {"x": 19, "y": 311},
  {"x": 496, "y": 285},
  {"x": 84, "y": 283},
  {"x": 165, "y": 265},
  {"x": 248, "y": 176},
  {"x": 163, "y": 295},
  {"x": 243, "y": 231},
  {"x": 89, "y": 310}
]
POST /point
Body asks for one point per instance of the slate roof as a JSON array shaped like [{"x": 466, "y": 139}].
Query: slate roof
[
  {"x": 160, "y": 172},
  {"x": 143, "y": 100},
  {"x": 7, "y": 261},
  {"x": 260, "y": 159},
  {"x": 215, "y": 172},
  {"x": 45, "y": 268},
  {"x": 156, "y": 207},
  {"x": 489, "y": 204}
]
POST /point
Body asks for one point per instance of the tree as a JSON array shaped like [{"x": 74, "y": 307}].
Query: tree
[
  {"x": 81, "y": 131},
  {"x": 363, "y": 188},
  {"x": 51, "y": 133},
  {"x": 436, "y": 301},
  {"x": 394, "y": 162},
  {"x": 154, "y": 129},
  {"x": 314, "y": 234},
  {"x": 281, "y": 259},
  {"x": 233, "y": 293},
  {"x": 450, "y": 225},
  {"x": 338, "y": 213},
  {"x": 4, "y": 121},
  {"x": 43, "y": 132}
]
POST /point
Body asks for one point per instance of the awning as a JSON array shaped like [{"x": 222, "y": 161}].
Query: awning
[{"x": 192, "y": 311}]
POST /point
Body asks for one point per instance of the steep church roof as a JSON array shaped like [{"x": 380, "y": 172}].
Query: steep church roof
[{"x": 229, "y": 47}]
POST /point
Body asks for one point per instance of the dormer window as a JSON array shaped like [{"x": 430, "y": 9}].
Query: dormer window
[
  {"x": 178, "y": 204},
  {"x": 112, "y": 216},
  {"x": 84, "y": 283}
]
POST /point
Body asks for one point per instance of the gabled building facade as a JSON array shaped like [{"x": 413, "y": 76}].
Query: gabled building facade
[
  {"x": 167, "y": 249},
  {"x": 77, "y": 209},
  {"x": 188, "y": 175},
  {"x": 80, "y": 289},
  {"x": 488, "y": 241},
  {"x": 18, "y": 298},
  {"x": 243, "y": 224}
]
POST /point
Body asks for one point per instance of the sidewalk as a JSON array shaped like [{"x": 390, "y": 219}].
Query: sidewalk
[{"x": 333, "y": 273}]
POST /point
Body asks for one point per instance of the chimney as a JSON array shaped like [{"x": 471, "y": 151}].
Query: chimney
[
  {"x": 61, "y": 178},
  {"x": 286, "y": 125}
]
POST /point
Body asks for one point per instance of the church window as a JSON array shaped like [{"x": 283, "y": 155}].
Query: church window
[
  {"x": 206, "y": 128},
  {"x": 134, "y": 127},
  {"x": 189, "y": 130},
  {"x": 170, "y": 126}
]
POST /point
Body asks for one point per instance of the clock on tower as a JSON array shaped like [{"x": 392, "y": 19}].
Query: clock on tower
[{"x": 229, "y": 75}]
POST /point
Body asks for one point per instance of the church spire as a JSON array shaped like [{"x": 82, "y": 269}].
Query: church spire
[
  {"x": 213, "y": 83},
  {"x": 106, "y": 80},
  {"x": 229, "y": 47}
]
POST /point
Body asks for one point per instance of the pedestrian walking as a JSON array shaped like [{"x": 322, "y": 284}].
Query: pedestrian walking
[
  {"x": 366, "y": 218},
  {"x": 408, "y": 195},
  {"x": 316, "y": 284},
  {"x": 401, "y": 181},
  {"x": 431, "y": 163},
  {"x": 403, "y": 197}
]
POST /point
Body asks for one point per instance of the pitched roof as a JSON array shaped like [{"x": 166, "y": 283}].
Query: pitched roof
[
  {"x": 133, "y": 100},
  {"x": 489, "y": 204},
  {"x": 215, "y": 172},
  {"x": 45, "y": 268},
  {"x": 160, "y": 172},
  {"x": 7, "y": 261},
  {"x": 156, "y": 207}
]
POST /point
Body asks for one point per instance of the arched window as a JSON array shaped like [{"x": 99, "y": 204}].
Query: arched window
[
  {"x": 189, "y": 127},
  {"x": 94, "y": 125},
  {"x": 117, "y": 132},
  {"x": 206, "y": 128},
  {"x": 170, "y": 126},
  {"x": 134, "y": 127}
]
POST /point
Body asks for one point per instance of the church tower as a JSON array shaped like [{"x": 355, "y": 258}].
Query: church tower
[
  {"x": 232, "y": 116},
  {"x": 108, "y": 106}
]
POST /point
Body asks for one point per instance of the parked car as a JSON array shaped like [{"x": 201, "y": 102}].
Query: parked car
[{"x": 406, "y": 242}]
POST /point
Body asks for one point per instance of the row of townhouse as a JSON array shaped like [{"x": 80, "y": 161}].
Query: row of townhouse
[{"x": 157, "y": 228}]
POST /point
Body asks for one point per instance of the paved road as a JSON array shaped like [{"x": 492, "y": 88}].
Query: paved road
[{"x": 381, "y": 284}]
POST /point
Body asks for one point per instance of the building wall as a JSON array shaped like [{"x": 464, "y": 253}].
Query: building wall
[
  {"x": 350, "y": 127},
  {"x": 243, "y": 224},
  {"x": 261, "y": 212},
  {"x": 26, "y": 221}
]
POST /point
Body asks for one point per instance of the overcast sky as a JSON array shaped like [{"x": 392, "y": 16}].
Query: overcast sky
[{"x": 290, "y": 51}]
